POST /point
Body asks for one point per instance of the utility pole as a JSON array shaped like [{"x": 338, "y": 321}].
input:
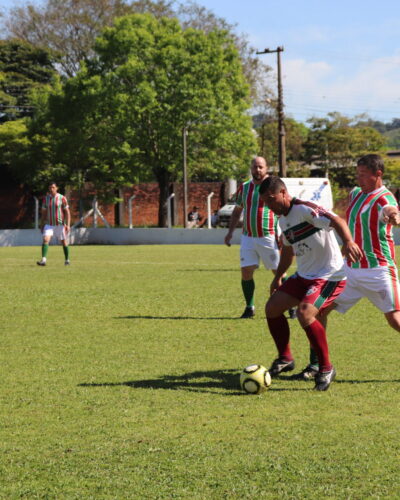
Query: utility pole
[
  {"x": 281, "y": 116},
  {"x": 185, "y": 179}
]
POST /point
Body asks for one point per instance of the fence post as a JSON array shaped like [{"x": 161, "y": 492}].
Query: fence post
[
  {"x": 95, "y": 212},
  {"x": 36, "y": 213},
  {"x": 169, "y": 202},
  {"x": 130, "y": 210},
  {"x": 209, "y": 210}
]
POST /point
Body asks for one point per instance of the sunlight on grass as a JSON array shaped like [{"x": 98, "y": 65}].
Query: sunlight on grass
[{"x": 120, "y": 379}]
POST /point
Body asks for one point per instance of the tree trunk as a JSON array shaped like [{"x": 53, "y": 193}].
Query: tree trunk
[{"x": 163, "y": 179}]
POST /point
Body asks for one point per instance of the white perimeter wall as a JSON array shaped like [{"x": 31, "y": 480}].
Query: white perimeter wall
[{"x": 122, "y": 236}]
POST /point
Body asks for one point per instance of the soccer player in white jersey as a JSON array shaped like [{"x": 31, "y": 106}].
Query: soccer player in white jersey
[
  {"x": 56, "y": 220},
  {"x": 320, "y": 278},
  {"x": 372, "y": 212}
]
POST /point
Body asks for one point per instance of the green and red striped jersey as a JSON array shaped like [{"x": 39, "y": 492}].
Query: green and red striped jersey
[
  {"x": 258, "y": 220},
  {"x": 369, "y": 231},
  {"x": 55, "y": 206}
]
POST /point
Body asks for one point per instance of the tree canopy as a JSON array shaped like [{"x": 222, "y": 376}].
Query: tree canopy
[
  {"x": 24, "y": 69},
  {"x": 69, "y": 28},
  {"x": 122, "y": 117}
]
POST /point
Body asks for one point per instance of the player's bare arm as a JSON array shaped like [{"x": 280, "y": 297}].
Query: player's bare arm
[
  {"x": 67, "y": 223},
  {"x": 237, "y": 211},
  {"x": 285, "y": 262},
  {"x": 350, "y": 249}
]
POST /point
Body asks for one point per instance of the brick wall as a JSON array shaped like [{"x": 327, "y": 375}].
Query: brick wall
[{"x": 17, "y": 205}]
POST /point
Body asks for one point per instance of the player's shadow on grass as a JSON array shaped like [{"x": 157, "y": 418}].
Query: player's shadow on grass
[
  {"x": 207, "y": 270},
  {"x": 342, "y": 380},
  {"x": 139, "y": 316},
  {"x": 221, "y": 382},
  {"x": 351, "y": 381}
]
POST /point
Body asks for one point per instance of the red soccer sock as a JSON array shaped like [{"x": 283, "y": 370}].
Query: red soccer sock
[
  {"x": 316, "y": 334},
  {"x": 279, "y": 328}
]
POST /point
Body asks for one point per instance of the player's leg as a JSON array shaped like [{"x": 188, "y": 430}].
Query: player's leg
[
  {"x": 319, "y": 296},
  {"x": 64, "y": 241},
  {"x": 279, "y": 329},
  {"x": 248, "y": 287},
  {"x": 310, "y": 371},
  {"x": 47, "y": 234},
  {"x": 248, "y": 263},
  {"x": 381, "y": 286},
  {"x": 268, "y": 251},
  {"x": 316, "y": 333},
  {"x": 393, "y": 318},
  {"x": 66, "y": 251},
  {"x": 392, "y": 307}
]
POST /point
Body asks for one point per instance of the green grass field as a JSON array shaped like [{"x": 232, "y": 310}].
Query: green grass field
[{"x": 120, "y": 380}]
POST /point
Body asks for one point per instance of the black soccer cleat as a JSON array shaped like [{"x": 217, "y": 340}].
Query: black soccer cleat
[
  {"x": 280, "y": 365},
  {"x": 309, "y": 373},
  {"x": 324, "y": 379},
  {"x": 292, "y": 313},
  {"x": 41, "y": 263},
  {"x": 249, "y": 312}
]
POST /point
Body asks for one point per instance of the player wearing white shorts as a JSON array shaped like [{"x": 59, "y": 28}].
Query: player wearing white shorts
[
  {"x": 56, "y": 220},
  {"x": 258, "y": 240},
  {"x": 372, "y": 212}
]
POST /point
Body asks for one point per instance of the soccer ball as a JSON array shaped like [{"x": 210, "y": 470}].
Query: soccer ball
[{"x": 255, "y": 379}]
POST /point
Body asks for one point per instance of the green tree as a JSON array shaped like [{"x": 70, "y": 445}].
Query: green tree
[
  {"x": 335, "y": 142},
  {"x": 24, "y": 69},
  {"x": 296, "y": 135},
  {"x": 26, "y": 78},
  {"x": 69, "y": 27},
  {"x": 123, "y": 115}
]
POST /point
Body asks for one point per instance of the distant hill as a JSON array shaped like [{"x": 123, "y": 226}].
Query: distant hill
[{"x": 393, "y": 137}]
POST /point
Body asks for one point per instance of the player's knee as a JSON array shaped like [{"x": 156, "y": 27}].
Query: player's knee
[
  {"x": 306, "y": 314},
  {"x": 247, "y": 273},
  {"x": 274, "y": 308},
  {"x": 394, "y": 320}
]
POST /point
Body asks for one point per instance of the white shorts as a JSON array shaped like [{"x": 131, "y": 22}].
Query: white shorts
[
  {"x": 57, "y": 231},
  {"x": 252, "y": 249},
  {"x": 380, "y": 285}
]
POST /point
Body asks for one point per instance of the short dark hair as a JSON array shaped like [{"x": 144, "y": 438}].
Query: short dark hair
[
  {"x": 373, "y": 162},
  {"x": 273, "y": 184}
]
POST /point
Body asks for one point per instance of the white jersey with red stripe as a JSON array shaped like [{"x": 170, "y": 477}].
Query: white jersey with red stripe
[
  {"x": 368, "y": 228},
  {"x": 307, "y": 228}
]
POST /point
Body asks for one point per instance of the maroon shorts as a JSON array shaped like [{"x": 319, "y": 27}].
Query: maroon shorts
[{"x": 319, "y": 292}]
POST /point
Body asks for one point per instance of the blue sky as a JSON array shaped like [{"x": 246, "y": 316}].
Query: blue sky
[{"x": 339, "y": 55}]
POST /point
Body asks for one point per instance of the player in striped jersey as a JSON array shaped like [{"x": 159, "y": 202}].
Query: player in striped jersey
[
  {"x": 320, "y": 278},
  {"x": 372, "y": 212},
  {"x": 259, "y": 232},
  {"x": 56, "y": 220}
]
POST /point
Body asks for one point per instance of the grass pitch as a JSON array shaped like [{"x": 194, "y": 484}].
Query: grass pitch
[{"x": 120, "y": 380}]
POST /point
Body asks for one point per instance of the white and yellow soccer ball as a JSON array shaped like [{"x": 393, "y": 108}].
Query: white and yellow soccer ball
[{"x": 255, "y": 379}]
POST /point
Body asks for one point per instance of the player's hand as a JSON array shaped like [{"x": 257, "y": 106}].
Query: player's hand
[
  {"x": 352, "y": 251},
  {"x": 227, "y": 240},
  {"x": 66, "y": 229},
  {"x": 275, "y": 284},
  {"x": 393, "y": 219}
]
